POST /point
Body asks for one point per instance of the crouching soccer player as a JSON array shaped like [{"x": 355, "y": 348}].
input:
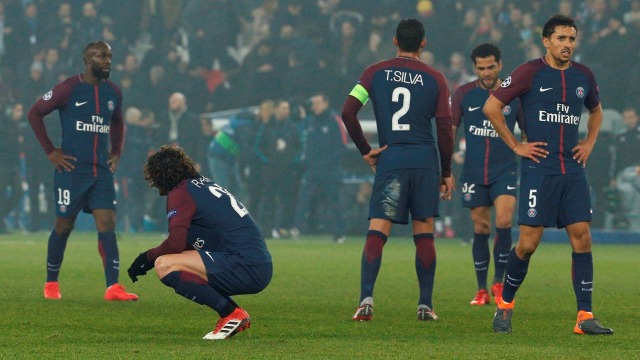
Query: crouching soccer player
[{"x": 214, "y": 249}]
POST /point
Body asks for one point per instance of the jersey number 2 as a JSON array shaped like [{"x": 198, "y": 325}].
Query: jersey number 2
[
  {"x": 406, "y": 100},
  {"x": 217, "y": 191}
]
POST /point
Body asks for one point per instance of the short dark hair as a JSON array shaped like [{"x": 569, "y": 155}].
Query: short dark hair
[
  {"x": 557, "y": 20},
  {"x": 168, "y": 167},
  {"x": 485, "y": 50},
  {"x": 409, "y": 34}
]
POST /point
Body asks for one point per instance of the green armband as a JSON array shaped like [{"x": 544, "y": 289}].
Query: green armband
[
  {"x": 360, "y": 93},
  {"x": 227, "y": 143}
]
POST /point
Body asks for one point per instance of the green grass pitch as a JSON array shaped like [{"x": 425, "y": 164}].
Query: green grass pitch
[{"x": 306, "y": 310}]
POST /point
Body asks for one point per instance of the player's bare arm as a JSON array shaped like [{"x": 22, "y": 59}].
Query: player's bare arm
[
  {"x": 530, "y": 150},
  {"x": 582, "y": 151},
  {"x": 61, "y": 160}
]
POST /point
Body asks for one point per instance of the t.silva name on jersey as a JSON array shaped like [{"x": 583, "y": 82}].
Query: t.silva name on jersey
[
  {"x": 561, "y": 116},
  {"x": 404, "y": 77},
  {"x": 96, "y": 125}
]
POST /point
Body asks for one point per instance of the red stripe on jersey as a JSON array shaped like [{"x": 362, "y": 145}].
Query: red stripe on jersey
[
  {"x": 95, "y": 155},
  {"x": 486, "y": 161},
  {"x": 95, "y": 138},
  {"x": 564, "y": 99},
  {"x": 564, "y": 87},
  {"x": 562, "y": 149},
  {"x": 97, "y": 98}
]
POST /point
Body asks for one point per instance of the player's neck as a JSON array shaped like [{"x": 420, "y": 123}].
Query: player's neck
[
  {"x": 408, "y": 55},
  {"x": 554, "y": 63},
  {"x": 493, "y": 88},
  {"x": 90, "y": 78}
]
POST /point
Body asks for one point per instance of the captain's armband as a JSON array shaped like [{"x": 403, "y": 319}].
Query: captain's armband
[{"x": 360, "y": 93}]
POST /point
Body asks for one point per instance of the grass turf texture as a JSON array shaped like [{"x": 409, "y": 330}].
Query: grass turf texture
[{"x": 306, "y": 310}]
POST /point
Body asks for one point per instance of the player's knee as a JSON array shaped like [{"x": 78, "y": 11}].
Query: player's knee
[
  {"x": 524, "y": 250},
  {"x": 581, "y": 243},
  {"x": 105, "y": 225},
  {"x": 162, "y": 266},
  {"x": 503, "y": 222},
  {"x": 481, "y": 225},
  {"x": 63, "y": 229}
]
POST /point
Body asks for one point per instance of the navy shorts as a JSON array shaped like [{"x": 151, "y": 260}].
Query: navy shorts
[
  {"x": 476, "y": 195},
  {"x": 73, "y": 192},
  {"x": 398, "y": 192},
  {"x": 554, "y": 200},
  {"x": 230, "y": 277}
]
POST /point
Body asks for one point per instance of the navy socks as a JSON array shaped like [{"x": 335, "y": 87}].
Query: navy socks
[{"x": 425, "y": 266}]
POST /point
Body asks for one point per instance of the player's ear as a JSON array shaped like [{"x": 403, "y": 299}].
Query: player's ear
[{"x": 423, "y": 43}]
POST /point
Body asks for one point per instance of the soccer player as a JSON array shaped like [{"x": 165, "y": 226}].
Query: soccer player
[
  {"x": 90, "y": 108},
  {"x": 553, "y": 185},
  {"x": 214, "y": 249},
  {"x": 409, "y": 177},
  {"x": 489, "y": 171}
]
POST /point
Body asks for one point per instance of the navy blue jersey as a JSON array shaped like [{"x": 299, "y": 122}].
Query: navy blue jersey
[
  {"x": 88, "y": 116},
  {"x": 487, "y": 158},
  {"x": 552, "y": 102},
  {"x": 203, "y": 204},
  {"x": 406, "y": 94}
]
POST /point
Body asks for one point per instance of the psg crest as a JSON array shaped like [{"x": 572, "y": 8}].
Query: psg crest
[
  {"x": 580, "y": 92},
  {"x": 532, "y": 212}
]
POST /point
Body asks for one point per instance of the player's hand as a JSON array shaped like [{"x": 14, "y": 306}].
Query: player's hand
[
  {"x": 140, "y": 266},
  {"x": 61, "y": 160},
  {"x": 531, "y": 150},
  {"x": 582, "y": 151},
  {"x": 372, "y": 157},
  {"x": 447, "y": 187},
  {"x": 113, "y": 162}
]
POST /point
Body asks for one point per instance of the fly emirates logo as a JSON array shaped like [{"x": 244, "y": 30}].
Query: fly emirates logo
[
  {"x": 561, "y": 116},
  {"x": 486, "y": 129},
  {"x": 96, "y": 125}
]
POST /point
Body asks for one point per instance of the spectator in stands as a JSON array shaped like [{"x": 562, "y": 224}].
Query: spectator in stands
[
  {"x": 627, "y": 144},
  {"x": 249, "y": 162},
  {"x": 261, "y": 71},
  {"x": 179, "y": 126},
  {"x": 457, "y": 73},
  {"x": 324, "y": 143},
  {"x": 374, "y": 50},
  {"x": 625, "y": 165},
  {"x": 141, "y": 125},
  {"x": 226, "y": 148},
  {"x": 52, "y": 66},
  {"x": 89, "y": 26},
  {"x": 34, "y": 86},
  {"x": 10, "y": 183},
  {"x": 3, "y": 28},
  {"x": 278, "y": 147}
]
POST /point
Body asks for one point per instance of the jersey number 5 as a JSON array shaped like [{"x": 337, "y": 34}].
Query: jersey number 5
[
  {"x": 406, "y": 100},
  {"x": 217, "y": 191}
]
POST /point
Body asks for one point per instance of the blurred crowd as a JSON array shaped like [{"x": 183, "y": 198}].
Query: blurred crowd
[{"x": 177, "y": 59}]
